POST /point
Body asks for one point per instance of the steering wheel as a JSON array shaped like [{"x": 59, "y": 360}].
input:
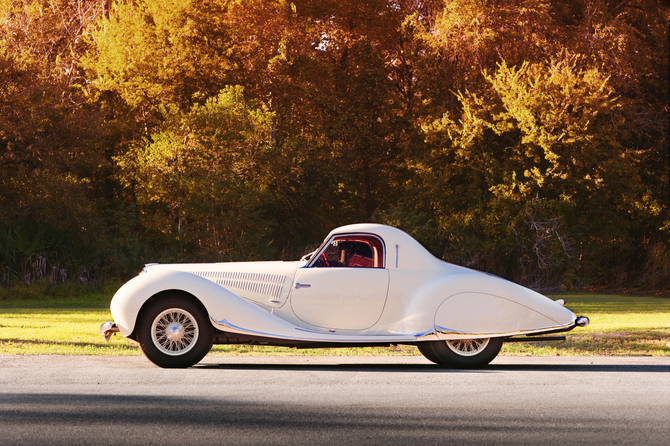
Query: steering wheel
[{"x": 325, "y": 259}]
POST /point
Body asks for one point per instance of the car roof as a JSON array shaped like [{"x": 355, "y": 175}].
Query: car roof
[{"x": 411, "y": 254}]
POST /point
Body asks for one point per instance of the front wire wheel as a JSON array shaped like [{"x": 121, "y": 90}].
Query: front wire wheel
[
  {"x": 462, "y": 353},
  {"x": 174, "y": 332}
]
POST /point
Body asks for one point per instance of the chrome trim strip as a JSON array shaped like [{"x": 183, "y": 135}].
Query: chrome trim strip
[
  {"x": 330, "y": 332},
  {"x": 445, "y": 330},
  {"x": 227, "y": 325},
  {"x": 428, "y": 335},
  {"x": 425, "y": 333},
  {"x": 307, "y": 330},
  {"x": 450, "y": 332},
  {"x": 438, "y": 333},
  {"x": 396, "y": 255}
]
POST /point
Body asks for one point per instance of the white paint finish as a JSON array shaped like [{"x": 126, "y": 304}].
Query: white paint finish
[
  {"x": 340, "y": 298},
  {"x": 222, "y": 305},
  {"x": 411, "y": 255},
  {"x": 426, "y": 300},
  {"x": 400, "y": 315},
  {"x": 488, "y": 314},
  {"x": 361, "y": 304},
  {"x": 219, "y": 302},
  {"x": 267, "y": 283}
]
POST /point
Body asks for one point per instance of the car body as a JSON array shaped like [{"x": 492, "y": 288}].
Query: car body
[{"x": 367, "y": 285}]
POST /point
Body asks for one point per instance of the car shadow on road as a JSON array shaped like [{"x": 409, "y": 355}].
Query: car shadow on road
[
  {"x": 430, "y": 368},
  {"x": 582, "y": 367}
]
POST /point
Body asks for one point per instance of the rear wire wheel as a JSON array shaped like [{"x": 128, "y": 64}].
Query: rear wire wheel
[
  {"x": 462, "y": 353},
  {"x": 174, "y": 332},
  {"x": 426, "y": 350}
]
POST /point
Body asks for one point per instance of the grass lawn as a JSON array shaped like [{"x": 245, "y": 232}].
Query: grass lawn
[{"x": 620, "y": 325}]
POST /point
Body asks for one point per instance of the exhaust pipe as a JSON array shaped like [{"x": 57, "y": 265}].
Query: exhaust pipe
[{"x": 107, "y": 330}]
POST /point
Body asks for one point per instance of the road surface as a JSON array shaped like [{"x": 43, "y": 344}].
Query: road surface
[{"x": 355, "y": 400}]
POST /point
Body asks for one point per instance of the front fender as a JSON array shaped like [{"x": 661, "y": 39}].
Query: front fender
[{"x": 218, "y": 301}]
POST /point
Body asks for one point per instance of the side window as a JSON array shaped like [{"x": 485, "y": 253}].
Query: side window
[{"x": 351, "y": 251}]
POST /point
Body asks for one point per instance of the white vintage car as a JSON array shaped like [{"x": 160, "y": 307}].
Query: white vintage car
[{"x": 367, "y": 285}]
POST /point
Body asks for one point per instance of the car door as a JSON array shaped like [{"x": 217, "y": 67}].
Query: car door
[{"x": 345, "y": 285}]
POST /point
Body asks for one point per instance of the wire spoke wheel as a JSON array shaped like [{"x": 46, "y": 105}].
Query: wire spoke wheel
[
  {"x": 468, "y": 347},
  {"x": 174, "y": 331},
  {"x": 462, "y": 353}
]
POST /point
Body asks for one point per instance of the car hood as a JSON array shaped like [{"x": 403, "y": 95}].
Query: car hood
[{"x": 266, "y": 283}]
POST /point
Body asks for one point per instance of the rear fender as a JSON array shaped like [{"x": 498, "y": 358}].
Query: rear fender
[{"x": 479, "y": 305}]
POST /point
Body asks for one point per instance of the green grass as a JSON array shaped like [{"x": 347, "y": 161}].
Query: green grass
[
  {"x": 69, "y": 324},
  {"x": 620, "y": 326},
  {"x": 59, "y": 331}
]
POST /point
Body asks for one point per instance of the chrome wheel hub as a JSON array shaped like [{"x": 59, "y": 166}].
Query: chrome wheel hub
[
  {"x": 174, "y": 332},
  {"x": 468, "y": 347}
]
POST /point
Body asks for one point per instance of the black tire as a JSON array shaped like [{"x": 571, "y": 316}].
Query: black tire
[
  {"x": 174, "y": 332},
  {"x": 426, "y": 350},
  {"x": 462, "y": 354}
]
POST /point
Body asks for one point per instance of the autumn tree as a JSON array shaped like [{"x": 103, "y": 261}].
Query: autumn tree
[
  {"x": 199, "y": 179},
  {"x": 526, "y": 138},
  {"x": 333, "y": 74},
  {"x": 544, "y": 157},
  {"x": 50, "y": 157}
]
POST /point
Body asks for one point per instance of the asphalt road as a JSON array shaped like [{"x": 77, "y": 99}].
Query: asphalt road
[{"x": 334, "y": 400}]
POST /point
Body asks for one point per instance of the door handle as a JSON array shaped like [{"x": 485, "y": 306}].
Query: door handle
[{"x": 302, "y": 285}]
